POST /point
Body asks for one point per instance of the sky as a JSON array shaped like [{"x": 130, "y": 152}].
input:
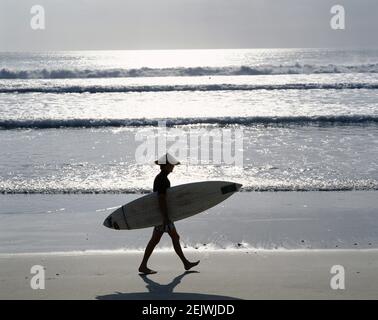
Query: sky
[{"x": 186, "y": 24}]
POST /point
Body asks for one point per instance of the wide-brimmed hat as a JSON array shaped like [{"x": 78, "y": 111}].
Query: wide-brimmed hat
[{"x": 167, "y": 159}]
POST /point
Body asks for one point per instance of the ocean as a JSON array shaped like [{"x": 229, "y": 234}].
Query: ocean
[{"x": 68, "y": 122}]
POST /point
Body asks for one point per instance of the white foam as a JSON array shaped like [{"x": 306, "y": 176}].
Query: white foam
[{"x": 296, "y": 68}]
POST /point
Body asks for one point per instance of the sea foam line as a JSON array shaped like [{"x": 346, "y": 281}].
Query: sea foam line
[
  {"x": 251, "y": 249},
  {"x": 187, "y": 88},
  {"x": 296, "y": 68},
  {"x": 369, "y": 186},
  {"x": 328, "y": 120}
]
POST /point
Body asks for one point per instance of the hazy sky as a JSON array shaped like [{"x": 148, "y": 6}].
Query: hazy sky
[{"x": 176, "y": 24}]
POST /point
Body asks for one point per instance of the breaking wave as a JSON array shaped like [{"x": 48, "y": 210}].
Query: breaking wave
[
  {"x": 199, "y": 87},
  {"x": 182, "y": 72},
  {"x": 170, "y": 122}
]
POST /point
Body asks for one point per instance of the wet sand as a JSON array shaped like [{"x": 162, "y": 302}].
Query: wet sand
[{"x": 239, "y": 274}]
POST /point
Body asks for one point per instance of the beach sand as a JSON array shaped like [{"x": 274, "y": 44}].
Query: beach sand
[{"x": 239, "y": 274}]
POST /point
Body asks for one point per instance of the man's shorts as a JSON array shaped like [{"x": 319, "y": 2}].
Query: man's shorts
[{"x": 168, "y": 227}]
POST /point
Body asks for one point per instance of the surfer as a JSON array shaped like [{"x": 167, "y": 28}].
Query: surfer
[{"x": 161, "y": 184}]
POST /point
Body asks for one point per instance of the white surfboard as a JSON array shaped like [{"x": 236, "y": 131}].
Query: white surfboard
[{"x": 183, "y": 201}]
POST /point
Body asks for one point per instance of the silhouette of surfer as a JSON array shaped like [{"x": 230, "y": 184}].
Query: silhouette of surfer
[{"x": 161, "y": 184}]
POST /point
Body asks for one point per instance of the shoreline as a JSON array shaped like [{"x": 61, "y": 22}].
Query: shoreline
[{"x": 186, "y": 250}]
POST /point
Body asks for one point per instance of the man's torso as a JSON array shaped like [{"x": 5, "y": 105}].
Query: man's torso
[{"x": 161, "y": 183}]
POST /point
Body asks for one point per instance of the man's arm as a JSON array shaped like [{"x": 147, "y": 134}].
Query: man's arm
[{"x": 163, "y": 208}]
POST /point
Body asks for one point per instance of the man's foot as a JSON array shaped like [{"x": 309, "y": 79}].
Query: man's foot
[
  {"x": 145, "y": 270},
  {"x": 190, "y": 265}
]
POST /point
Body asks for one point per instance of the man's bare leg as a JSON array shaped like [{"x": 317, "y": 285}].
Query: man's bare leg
[
  {"x": 156, "y": 236},
  {"x": 176, "y": 245}
]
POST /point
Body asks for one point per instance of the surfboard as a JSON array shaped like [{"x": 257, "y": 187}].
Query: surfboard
[{"x": 183, "y": 201}]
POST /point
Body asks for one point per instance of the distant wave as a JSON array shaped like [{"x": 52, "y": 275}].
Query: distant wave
[
  {"x": 222, "y": 121},
  {"x": 181, "y": 71},
  {"x": 200, "y": 87}
]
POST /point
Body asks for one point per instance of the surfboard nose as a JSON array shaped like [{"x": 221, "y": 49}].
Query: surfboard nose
[{"x": 231, "y": 188}]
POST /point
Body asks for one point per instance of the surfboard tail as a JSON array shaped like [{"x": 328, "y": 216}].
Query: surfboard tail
[{"x": 107, "y": 223}]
